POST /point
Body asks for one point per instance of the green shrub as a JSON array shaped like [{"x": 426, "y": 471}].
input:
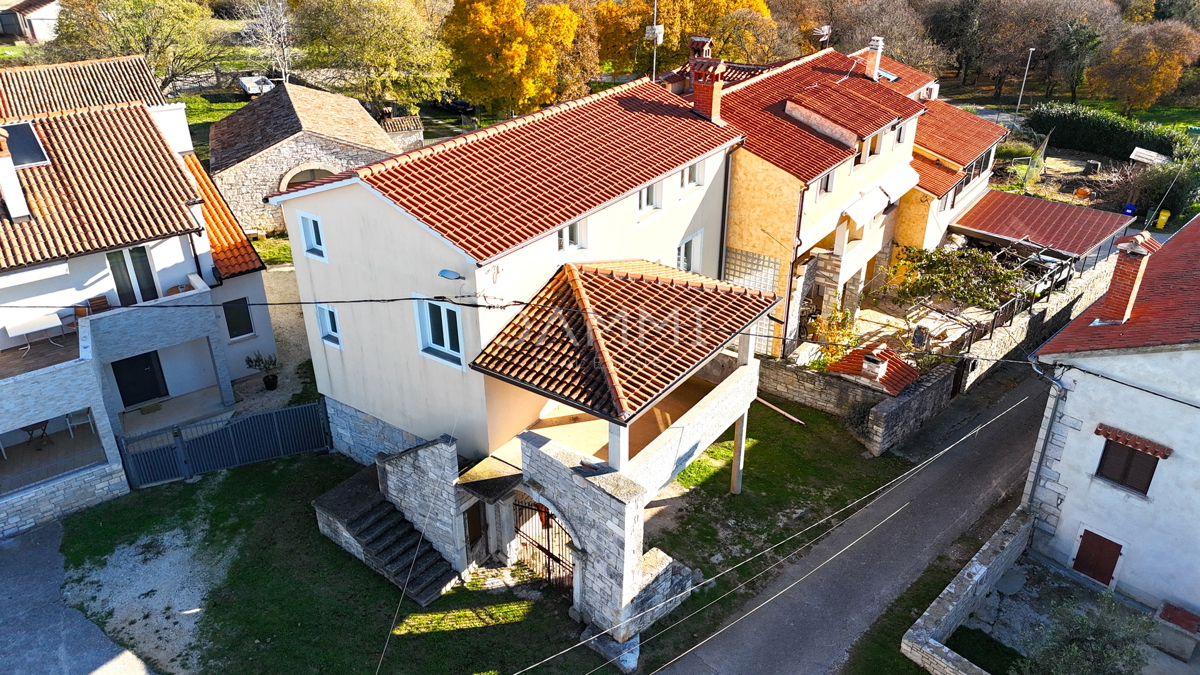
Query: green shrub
[
  {"x": 1106, "y": 133},
  {"x": 1014, "y": 149}
]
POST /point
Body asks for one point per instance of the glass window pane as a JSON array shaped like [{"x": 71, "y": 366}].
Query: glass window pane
[
  {"x": 237, "y": 318},
  {"x": 316, "y": 232},
  {"x": 437, "y": 332},
  {"x": 120, "y": 272},
  {"x": 452, "y": 330},
  {"x": 143, "y": 272},
  {"x": 331, "y": 321}
]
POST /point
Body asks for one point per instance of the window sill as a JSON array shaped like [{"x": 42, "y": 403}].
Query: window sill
[
  {"x": 242, "y": 338},
  {"x": 443, "y": 358},
  {"x": 648, "y": 215},
  {"x": 316, "y": 255},
  {"x": 1127, "y": 490},
  {"x": 332, "y": 341},
  {"x": 690, "y": 191}
]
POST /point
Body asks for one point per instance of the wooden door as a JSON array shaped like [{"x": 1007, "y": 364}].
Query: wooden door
[{"x": 1097, "y": 557}]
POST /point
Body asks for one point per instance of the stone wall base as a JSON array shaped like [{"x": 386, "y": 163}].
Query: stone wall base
[
  {"x": 361, "y": 436},
  {"x": 75, "y": 491}
]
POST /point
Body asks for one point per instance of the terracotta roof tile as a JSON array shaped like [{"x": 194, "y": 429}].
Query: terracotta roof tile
[
  {"x": 910, "y": 80},
  {"x": 610, "y": 338},
  {"x": 232, "y": 252},
  {"x": 1136, "y": 442},
  {"x": 757, "y": 107},
  {"x": 1071, "y": 229},
  {"x": 495, "y": 189},
  {"x": 31, "y": 6},
  {"x": 396, "y": 124},
  {"x": 1165, "y": 312},
  {"x": 284, "y": 112},
  {"x": 899, "y": 373},
  {"x": 734, "y": 73},
  {"x": 956, "y": 134},
  {"x": 935, "y": 178},
  {"x": 856, "y": 113},
  {"x": 32, "y": 90},
  {"x": 112, "y": 182}
]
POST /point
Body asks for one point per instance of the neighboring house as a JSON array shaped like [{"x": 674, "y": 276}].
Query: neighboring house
[
  {"x": 36, "y": 20},
  {"x": 110, "y": 224},
  {"x": 564, "y": 342},
  {"x": 288, "y": 136},
  {"x": 1115, "y": 475},
  {"x": 408, "y": 133}
]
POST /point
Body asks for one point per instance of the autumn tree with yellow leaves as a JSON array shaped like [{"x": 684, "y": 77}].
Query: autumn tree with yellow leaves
[
  {"x": 1143, "y": 63},
  {"x": 506, "y": 58}
]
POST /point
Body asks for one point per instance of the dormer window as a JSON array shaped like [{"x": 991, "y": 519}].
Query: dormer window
[
  {"x": 568, "y": 238},
  {"x": 826, "y": 184},
  {"x": 875, "y": 143}
]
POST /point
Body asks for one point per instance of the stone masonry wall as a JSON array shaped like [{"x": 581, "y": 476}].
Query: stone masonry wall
[
  {"x": 56, "y": 498},
  {"x": 1046, "y": 509},
  {"x": 244, "y": 185},
  {"x": 925, "y": 642},
  {"x": 420, "y": 481},
  {"x": 361, "y": 436},
  {"x": 828, "y": 393},
  {"x": 1031, "y": 328},
  {"x": 895, "y": 418}
]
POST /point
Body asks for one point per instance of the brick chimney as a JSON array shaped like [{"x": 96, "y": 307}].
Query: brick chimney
[
  {"x": 1133, "y": 252},
  {"x": 10, "y": 185},
  {"x": 874, "y": 366},
  {"x": 708, "y": 77},
  {"x": 874, "y": 51}
]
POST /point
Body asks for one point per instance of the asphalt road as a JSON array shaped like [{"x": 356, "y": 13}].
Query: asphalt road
[{"x": 805, "y": 622}]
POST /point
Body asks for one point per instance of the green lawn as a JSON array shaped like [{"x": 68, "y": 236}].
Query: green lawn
[
  {"x": 274, "y": 250},
  {"x": 205, "y": 110}
]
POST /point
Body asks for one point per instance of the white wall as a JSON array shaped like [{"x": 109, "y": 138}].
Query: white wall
[
  {"x": 187, "y": 367},
  {"x": 43, "y": 24},
  {"x": 249, "y": 286},
  {"x": 171, "y": 120},
  {"x": 1158, "y": 531}
]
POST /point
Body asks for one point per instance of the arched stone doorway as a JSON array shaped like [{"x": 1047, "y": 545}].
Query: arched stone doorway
[{"x": 303, "y": 174}]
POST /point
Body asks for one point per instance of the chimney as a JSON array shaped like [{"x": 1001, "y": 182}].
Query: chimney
[
  {"x": 874, "y": 51},
  {"x": 10, "y": 185},
  {"x": 701, "y": 47},
  {"x": 387, "y": 112},
  {"x": 708, "y": 77},
  {"x": 874, "y": 366},
  {"x": 1133, "y": 252}
]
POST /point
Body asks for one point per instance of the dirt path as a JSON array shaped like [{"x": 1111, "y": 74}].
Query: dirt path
[{"x": 291, "y": 344}]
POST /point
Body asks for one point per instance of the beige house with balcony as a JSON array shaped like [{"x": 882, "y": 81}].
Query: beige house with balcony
[{"x": 122, "y": 308}]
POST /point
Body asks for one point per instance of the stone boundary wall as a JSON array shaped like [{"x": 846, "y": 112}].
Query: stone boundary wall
[
  {"x": 896, "y": 418},
  {"x": 61, "y": 496},
  {"x": 827, "y": 393},
  {"x": 925, "y": 642},
  {"x": 1031, "y": 328},
  {"x": 420, "y": 481},
  {"x": 361, "y": 436}
]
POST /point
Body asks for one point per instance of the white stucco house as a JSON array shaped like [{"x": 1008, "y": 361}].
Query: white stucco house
[
  {"x": 129, "y": 295},
  {"x": 1116, "y": 474},
  {"x": 35, "y": 20}
]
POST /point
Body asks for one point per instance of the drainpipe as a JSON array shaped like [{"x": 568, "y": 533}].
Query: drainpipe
[
  {"x": 1060, "y": 393},
  {"x": 791, "y": 275},
  {"x": 725, "y": 209}
]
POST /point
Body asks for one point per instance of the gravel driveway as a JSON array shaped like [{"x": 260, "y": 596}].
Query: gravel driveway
[{"x": 291, "y": 343}]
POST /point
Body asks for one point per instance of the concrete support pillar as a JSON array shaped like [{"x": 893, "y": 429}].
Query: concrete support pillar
[
  {"x": 745, "y": 349},
  {"x": 618, "y": 446},
  {"x": 506, "y": 531},
  {"x": 739, "y": 453}
]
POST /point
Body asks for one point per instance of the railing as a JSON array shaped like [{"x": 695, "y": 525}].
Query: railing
[
  {"x": 20, "y": 481},
  {"x": 1055, "y": 279}
]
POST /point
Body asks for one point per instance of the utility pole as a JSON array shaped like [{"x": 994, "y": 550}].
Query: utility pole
[
  {"x": 654, "y": 33},
  {"x": 1023, "y": 79}
]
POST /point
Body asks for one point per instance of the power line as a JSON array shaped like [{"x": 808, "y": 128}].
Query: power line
[{"x": 1102, "y": 376}]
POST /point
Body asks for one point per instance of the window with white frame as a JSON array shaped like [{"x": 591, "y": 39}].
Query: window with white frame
[
  {"x": 875, "y": 143},
  {"x": 133, "y": 275},
  {"x": 649, "y": 197},
  {"x": 900, "y": 133},
  {"x": 689, "y": 252},
  {"x": 441, "y": 331},
  {"x": 861, "y": 156},
  {"x": 690, "y": 176},
  {"x": 314, "y": 235},
  {"x": 330, "y": 326},
  {"x": 826, "y": 184},
  {"x": 569, "y": 237},
  {"x": 238, "y": 322}
]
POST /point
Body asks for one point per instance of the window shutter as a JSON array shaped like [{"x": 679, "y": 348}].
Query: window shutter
[
  {"x": 1113, "y": 462},
  {"x": 1141, "y": 471}
]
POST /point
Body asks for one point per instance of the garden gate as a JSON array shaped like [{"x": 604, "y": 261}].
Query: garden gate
[{"x": 545, "y": 546}]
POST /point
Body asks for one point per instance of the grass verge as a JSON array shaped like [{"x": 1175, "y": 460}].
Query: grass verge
[
  {"x": 274, "y": 250},
  {"x": 308, "y": 385},
  {"x": 205, "y": 110}
]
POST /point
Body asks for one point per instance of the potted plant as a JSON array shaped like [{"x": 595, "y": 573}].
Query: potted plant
[{"x": 267, "y": 365}]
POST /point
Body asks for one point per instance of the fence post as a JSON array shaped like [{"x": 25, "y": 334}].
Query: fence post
[
  {"x": 185, "y": 467},
  {"x": 131, "y": 472},
  {"x": 323, "y": 414}
]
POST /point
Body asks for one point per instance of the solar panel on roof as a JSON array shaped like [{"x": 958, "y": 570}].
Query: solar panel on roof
[
  {"x": 890, "y": 77},
  {"x": 24, "y": 145}
]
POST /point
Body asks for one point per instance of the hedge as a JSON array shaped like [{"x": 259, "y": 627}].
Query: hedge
[{"x": 1080, "y": 128}]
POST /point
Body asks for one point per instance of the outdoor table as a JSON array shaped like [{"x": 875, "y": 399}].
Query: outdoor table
[{"x": 41, "y": 323}]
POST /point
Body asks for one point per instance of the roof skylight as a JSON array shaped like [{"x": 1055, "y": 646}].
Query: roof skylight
[
  {"x": 890, "y": 77},
  {"x": 25, "y": 146}
]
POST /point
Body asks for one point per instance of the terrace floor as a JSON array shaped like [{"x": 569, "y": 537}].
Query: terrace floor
[
  {"x": 589, "y": 434},
  {"x": 14, "y": 361},
  {"x": 43, "y": 458},
  {"x": 893, "y": 325},
  {"x": 202, "y": 404}
]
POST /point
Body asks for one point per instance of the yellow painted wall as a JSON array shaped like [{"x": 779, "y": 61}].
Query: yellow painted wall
[{"x": 912, "y": 218}]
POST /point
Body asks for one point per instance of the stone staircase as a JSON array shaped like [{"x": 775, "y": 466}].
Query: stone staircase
[{"x": 358, "y": 518}]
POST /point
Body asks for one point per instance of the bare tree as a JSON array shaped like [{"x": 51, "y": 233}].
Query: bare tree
[{"x": 270, "y": 29}]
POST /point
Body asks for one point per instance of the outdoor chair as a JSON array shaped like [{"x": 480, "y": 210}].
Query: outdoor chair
[
  {"x": 98, "y": 304},
  {"x": 80, "y": 312},
  {"x": 80, "y": 418}
]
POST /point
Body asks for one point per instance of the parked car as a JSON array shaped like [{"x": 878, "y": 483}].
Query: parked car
[{"x": 458, "y": 105}]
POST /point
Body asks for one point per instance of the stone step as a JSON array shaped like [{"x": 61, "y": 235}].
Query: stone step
[
  {"x": 424, "y": 563},
  {"x": 446, "y": 576},
  {"x": 379, "y": 527},
  {"x": 379, "y": 510},
  {"x": 389, "y": 536},
  {"x": 399, "y": 566},
  {"x": 406, "y": 541}
]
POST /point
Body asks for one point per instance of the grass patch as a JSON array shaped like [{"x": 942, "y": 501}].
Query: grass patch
[
  {"x": 274, "y": 250},
  {"x": 983, "y": 650},
  {"x": 308, "y": 385},
  {"x": 794, "y": 476},
  {"x": 205, "y": 110}
]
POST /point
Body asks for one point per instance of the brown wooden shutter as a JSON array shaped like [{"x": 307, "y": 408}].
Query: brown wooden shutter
[
  {"x": 1114, "y": 461},
  {"x": 1141, "y": 471},
  {"x": 1097, "y": 557}
]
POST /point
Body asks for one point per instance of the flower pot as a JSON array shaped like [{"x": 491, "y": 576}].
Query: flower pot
[{"x": 271, "y": 381}]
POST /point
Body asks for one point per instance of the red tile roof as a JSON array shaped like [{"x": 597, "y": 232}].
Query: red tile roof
[
  {"x": 756, "y": 106},
  {"x": 1136, "y": 442},
  {"x": 935, "y": 178},
  {"x": 495, "y": 189},
  {"x": 899, "y": 373},
  {"x": 1165, "y": 312},
  {"x": 911, "y": 80},
  {"x": 31, "y": 6},
  {"x": 285, "y": 111},
  {"x": 232, "y": 252},
  {"x": 611, "y": 338},
  {"x": 734, "y": 73},
  {"x": 1071, "y": 229},
  {"x": 398, "y": 124},
  {"x": 851, "y": 111},
  {"x": 956, "y": 134},
  {"x": 111, "y": 182},
  {"x": 32, "y": 90}
]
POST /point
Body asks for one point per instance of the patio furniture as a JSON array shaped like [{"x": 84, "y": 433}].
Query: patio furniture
[
  {"x": 80, "y": 418},
  {"x": 34, "y": 429},
  {"x": 98, "y": 304},
  {"x": 35, "y": 325},
  {"x": 80, "y": 311}
]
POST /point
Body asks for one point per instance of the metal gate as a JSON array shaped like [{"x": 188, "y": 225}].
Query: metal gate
[
  {"x": 182, "y": 452},
  {"x": 545, "y": 546}
]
